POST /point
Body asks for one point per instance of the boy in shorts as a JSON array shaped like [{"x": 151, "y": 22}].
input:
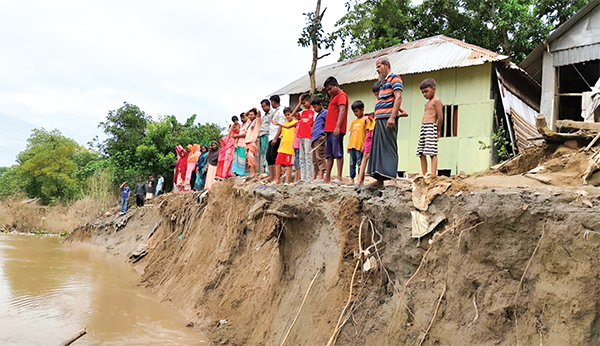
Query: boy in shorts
[
  {"x": 306, "y": 119},
  {"x": 356, "y": 142},
  {"x": 285, "y": 154},
  {"x": 335, "y": 128},
  {"x": 317, "y": 138},
  {"x": 370, "y": 125},
  {"x": 431, "y": 127}
]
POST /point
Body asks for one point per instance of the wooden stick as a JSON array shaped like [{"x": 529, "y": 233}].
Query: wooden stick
[
  {"x": 521, "y": 282},
  {"x": 434, "y": 315},
  {"x": 592, "y": 142},
  {"x": 300, "y": 310},
  {"x": 535, "y": 138},
  {"x": 74, "y": 337},
  {"x": 540, "y": 179}
]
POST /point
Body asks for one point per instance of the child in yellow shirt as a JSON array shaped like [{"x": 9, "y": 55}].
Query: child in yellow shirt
[
  {"x": 285, "y": 154},
  {"x": 356, "y": 141}
]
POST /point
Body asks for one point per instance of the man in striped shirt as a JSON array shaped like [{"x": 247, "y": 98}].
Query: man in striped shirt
[{"x": 383, "y": 161}]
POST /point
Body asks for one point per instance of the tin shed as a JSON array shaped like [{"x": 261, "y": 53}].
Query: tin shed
[{"x": 567, "y": 64}]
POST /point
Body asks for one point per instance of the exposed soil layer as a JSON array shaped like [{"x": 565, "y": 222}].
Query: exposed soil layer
[{"x": 238, "y": 262}]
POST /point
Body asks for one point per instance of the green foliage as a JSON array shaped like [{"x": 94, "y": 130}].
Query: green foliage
[
  {"x": 9, "y": 181},
  {"x": 125, "y": 128},
  {"x": 510, "y": 27},
  {"x": 313, "y": 33},
  {"x": 500, "y": 142},
  {"x": 325, "y": 98},
  {"x": 46, "y": 166},
  {"x": 156, "y": 152},
  {"x": 484, "y": 146},
  {"x": 88, "y": 162},
  {"x": 372, "y": 25},
  {"x": 503, "y": 146}
]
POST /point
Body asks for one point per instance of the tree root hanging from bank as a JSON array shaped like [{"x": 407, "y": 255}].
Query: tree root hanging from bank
[
  {"x": 521, "y": 283},
  {"x": 434, "y": 314},
  {"x": 339, "y": 324},
  {"x": 362, "y": 254},
  {"x": 300, "y": 310}
]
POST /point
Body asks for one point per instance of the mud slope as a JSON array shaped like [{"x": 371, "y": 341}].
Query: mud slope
[{"x": 247, "y": 255}]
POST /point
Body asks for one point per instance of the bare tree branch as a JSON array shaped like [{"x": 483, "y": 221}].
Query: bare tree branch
[{"x": 322, "y": 56}]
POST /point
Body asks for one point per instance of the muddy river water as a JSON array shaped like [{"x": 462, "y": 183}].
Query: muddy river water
[{"x": 49, "y": 291}]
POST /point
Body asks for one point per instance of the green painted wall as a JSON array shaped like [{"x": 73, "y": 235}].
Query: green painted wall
[{"x": 467, "y": 87}]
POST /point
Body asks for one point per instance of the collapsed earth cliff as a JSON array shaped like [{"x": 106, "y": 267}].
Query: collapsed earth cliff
[{"x": 513, "y": 266}]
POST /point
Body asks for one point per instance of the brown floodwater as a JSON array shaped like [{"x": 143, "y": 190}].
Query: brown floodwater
[{"x": 50, "y": 290}]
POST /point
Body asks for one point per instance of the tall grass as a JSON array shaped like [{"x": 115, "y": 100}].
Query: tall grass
[{"x": 98, "y": 195}]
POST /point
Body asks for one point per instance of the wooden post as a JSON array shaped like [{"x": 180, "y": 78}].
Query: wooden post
[{"x": 74, "y": 337}]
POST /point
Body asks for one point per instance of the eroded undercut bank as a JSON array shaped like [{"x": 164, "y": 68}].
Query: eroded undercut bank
[{"x": 503, "y": 267}]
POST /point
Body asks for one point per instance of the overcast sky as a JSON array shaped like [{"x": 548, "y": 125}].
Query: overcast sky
[{"x": 65, "y": 64}]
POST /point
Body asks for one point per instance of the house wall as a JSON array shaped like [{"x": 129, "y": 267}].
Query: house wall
[
  {"x": 548, "y": 106},
  {"x": 579, "y": 43},
  {"x": 467, "y": 87}
]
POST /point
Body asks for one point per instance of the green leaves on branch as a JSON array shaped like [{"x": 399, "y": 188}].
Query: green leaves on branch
[
  {"x": 125, "y": 128},
  {"x": 510, "y": 27},
  {"x": 9, "y": 181},
  {"x": 372, "y": 25},
  {"x": 314, "y": 33},
  {"x": 47, "y": 166}
]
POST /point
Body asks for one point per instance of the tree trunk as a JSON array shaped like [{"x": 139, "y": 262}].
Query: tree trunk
[{"x": 315, "y": 49}]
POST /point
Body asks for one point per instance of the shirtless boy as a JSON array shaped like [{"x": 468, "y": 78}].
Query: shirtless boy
[{"x": 431, "y": 127}]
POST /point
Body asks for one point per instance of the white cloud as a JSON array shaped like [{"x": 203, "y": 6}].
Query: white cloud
[{"x": 65, "y": 64}]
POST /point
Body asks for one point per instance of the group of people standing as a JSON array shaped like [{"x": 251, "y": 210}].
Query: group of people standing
[
  {"x": 143, "y": 190},
  {"x": 306, "y": 142},
  {"x": 190, "y": 169}
]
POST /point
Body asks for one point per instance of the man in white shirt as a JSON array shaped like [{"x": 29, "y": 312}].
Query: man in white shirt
[
  {"x": 274, "y": 134},
  {"x": 264, "y": 134}
]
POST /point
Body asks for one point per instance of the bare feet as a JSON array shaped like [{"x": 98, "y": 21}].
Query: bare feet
[{"x": 377, "y": 184}]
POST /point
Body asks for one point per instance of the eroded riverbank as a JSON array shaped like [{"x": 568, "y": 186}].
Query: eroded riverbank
[
  {"x": 50, "y": 290},
  {"x": 239, "y": 261}
]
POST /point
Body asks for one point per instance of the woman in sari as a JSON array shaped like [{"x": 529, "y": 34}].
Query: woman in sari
[
  {"x": 226, "y": 153},
  {"x": 252, "y": 144},
  {"x": 238, "y": 166},
  {"x": 190, "y": 176},
  {"x": 180, "y": 169},
  {"x": 213, "y": 161},
  {"x": 201, "y": 169}
]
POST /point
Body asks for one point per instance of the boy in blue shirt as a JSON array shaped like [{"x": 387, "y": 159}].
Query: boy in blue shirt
[
  {"x": 125, "y": 191},
  {"x": 159, "y": 185},
  {"x": 317, "y": 140}
]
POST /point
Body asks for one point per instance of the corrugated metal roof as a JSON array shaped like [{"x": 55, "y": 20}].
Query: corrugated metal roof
[
  {"x": 429, "y": 54},
  {"x": 576, "y": 55}
]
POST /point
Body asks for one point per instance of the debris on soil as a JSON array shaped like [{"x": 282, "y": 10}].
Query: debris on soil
[
  {"x": 582, "y": 134},
  {"x": 426, "y": 188}
]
